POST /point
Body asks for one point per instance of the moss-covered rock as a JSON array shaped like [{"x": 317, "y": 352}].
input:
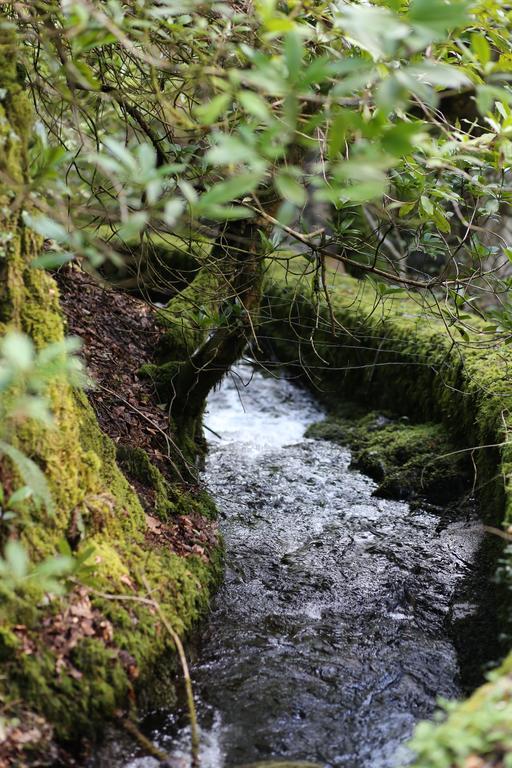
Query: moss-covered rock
[
  {"x": 136, "y": 462},
  {"x": 407, "y": 460},
  {"x": 391, "y": 353},
  {"x": 79, "y": 688},
  {"x": 169, "y": 499}
]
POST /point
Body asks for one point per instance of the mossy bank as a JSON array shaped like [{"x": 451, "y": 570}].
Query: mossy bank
[
  {"x": 70, "y": 663},
  {"x": 387, "y": 351}
]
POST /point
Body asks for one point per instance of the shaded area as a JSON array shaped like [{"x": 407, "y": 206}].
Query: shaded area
[{"x": 120, "y": 333}]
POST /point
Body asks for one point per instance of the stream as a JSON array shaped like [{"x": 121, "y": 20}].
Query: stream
[{"x": 332, "y": 634}]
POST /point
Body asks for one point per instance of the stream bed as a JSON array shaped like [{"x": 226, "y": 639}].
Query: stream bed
[{"x": 332, "y": 634}]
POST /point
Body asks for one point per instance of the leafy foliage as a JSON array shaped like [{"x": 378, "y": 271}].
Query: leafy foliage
[
  {"x": 186, "y": 119},
  {"x": 180, "y": 117}
]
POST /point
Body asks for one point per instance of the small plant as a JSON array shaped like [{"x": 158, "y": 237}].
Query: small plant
[
  {"x": 18, "y": 572},
  {"x": 9, "y": 506},
  {"x": 26, "y": 373}
]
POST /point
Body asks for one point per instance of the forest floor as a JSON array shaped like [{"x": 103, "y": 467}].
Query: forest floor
[{"x": 120, "y": 333}]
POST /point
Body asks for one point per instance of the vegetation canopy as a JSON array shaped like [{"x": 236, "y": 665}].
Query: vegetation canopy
[{"x": 375, "y": 137}]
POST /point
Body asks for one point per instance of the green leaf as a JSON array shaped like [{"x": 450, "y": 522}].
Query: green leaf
[
  {"x": 146, "y": 157},
  {"x": 463, "y": 333},
  {"x": 133, "y": 226},
  {"x": 406, "y": 208},
  {"x": 364, "y": 191},
  {"x": 344, "y": 121},
  {"x": 85, "y": 73},
  {"x": 426, "y": 205},
  {"x": 228, "y": 212},
  {"x": 375, "y": 29},
  {"x": 227, "y": 191},
  {"x": 481, "y": 48},
  {"x": 119, "y": 151},
  {"x": 392, "y": 92},
  {"x": 438, "y": 16},
  {"x": 319, "y": 70},
  {"x": 18, "y": 350},
  {"x": 48, "y": 228},
  {"x": 487, "y": 95},
  {"x": 208, "y": 113},
  {"x": 230, "y": 150},
  {"x": 293, "y": 55},
  {"x": 16, "y": 560},
  {"x": 19, "y": 496},
  {"x": 281, "y": 24},
  {"x": 32, "y": 476},
  {"x": 399, "y": 139},
  {"x": 290, "y": 188},
  {"x": 52, "y": 260},
  {"x": 58, "y": 565},
  {"x": 46, "y": 165},
  {"x": 254, "y": 105},
  {"x": 173, "y": 210},
  {"x": 441, "y": 221},
  {"x": 33, "y": 407},
  {"x": 436, "y": 73},
  {"x": 502, "y": 110}
]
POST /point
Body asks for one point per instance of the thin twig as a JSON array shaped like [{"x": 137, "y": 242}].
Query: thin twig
[
  {"x": 194, "y": 728},
  {"x": 147, "y": 745}
]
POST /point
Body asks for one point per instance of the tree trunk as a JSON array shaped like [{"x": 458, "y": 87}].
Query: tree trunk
[{"x": 237, "y": 254}]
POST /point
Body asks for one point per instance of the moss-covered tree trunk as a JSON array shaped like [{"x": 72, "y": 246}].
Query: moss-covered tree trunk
[{"x": 237, "y": 255}]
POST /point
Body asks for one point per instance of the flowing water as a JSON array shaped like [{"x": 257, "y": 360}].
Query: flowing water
[{"x": 332, "y": 634}]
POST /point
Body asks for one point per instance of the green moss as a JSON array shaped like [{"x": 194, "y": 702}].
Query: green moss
[
  {"x": 394, "y": 355},
  {"x": 162, "y": 376},
  {"x": 407, "y": 460},
  {"x": 124, "y": 565},
  {"x": 97, "y": 686},
  {"x": 135, "y": 462},
  {"x": 188, "y": 502},
  {"x": 80, "y": 698}
]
